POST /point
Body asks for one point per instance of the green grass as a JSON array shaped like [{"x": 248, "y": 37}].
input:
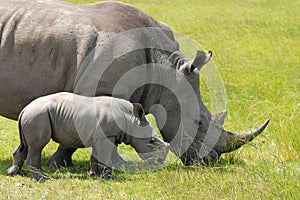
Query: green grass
[{"x": 256, "y": 49}]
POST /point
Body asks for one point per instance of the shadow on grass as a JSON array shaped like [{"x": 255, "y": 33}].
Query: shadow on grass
[
  {"x": 224, "y": 164},
  {"x": 81, "y": 169}
]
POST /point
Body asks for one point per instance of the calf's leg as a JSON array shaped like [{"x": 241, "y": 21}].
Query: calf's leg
[
  {"x": 62, "y": 157},
  {"x": 37, "y": 134},
  {"x": 19, "y": 157},
  {"x": 34, "y": 163},
  {"x": 35, "y": 147},
  {"x": 101, "y": 159}
]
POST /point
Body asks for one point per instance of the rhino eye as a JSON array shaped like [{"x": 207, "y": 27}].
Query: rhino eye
[
  {"x": 199, "y": 123},
  {"x": 180, "y": 62}
]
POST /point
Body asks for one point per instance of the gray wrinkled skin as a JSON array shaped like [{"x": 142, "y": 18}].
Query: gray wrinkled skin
[
  {"x": 44, "y": 47},
  {"x": 78, "y": 121}
]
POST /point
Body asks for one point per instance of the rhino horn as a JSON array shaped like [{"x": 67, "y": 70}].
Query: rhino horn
[{"x": 235, "y": 141}]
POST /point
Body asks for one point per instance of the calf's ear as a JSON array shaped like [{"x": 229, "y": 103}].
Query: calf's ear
[
  {"x": 201, "y": 59},
  {"x": 138, "y": 111}
]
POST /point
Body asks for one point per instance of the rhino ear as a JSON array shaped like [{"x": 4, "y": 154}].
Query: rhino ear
[
  {"x": 201, "y": 59},
  {"x": 138, "y": 111}
]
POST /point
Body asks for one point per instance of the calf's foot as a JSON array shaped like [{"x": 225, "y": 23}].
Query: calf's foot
[
  {"x": 37, "y": 174},
  {"x": 14, "y": 170},
  {"x": 62, "y": 157},
  {"x": 98, "y": 169}
]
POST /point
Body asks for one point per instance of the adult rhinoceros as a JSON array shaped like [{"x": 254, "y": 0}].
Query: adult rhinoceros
[{"x": 113, "y": 49}]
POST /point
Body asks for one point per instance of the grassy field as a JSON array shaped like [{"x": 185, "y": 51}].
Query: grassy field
[{"x": 256, "y": 49}]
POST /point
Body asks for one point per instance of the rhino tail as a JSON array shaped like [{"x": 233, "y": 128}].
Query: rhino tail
[
  {"x": 22, "y": 139},
  {"x": 20, "y": 153}
]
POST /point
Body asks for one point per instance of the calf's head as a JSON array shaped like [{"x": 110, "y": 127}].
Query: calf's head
[{"x": 143, "y": 138}]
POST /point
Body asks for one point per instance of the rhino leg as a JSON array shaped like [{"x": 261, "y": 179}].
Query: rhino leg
[
  {"x": 34, "y": 162},
  {"x": 19, "y": 156},
  {"x": 37, "y": 134},
  {"x": 98, "y": 169},
  {"x": 62, "y": 157},
  {"x": 103, "y": 151},
  {"x": 117, "y": 160}
]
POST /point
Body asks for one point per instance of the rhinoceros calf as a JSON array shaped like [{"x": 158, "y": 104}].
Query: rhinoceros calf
[{"x": 78, "y": 121}]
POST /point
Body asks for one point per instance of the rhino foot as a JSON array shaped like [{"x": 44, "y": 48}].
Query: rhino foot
[
  {"x": 59, "y": 161},
  {"x": 39, "y": 176},
  {"x": 199, "y": 156},
  {"x": 61, "y": 158},
  {"x": 98, "y": 169},
  {"x": 105, "y": 174},
  {"x": 14, "y": 170}
]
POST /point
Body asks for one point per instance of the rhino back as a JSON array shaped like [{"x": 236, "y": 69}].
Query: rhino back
[
  {"x": 38, "y": 53},
  {"x": 42, "y": 44},
  {"x": 78, "y": 121}
]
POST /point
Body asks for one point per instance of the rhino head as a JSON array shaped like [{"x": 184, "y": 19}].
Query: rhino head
[{"x": 194, "y": 134}]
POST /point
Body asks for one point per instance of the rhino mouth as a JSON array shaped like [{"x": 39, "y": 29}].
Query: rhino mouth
[
  {"x": 157, "y": 155},
  {"x": 204, "y": 154}
]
